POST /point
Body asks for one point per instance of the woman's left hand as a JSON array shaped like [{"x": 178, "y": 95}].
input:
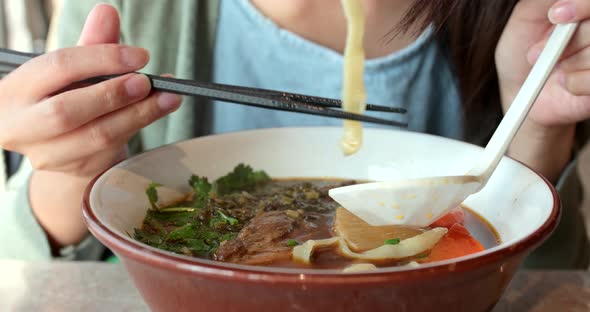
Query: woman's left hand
[{"x": 565, "y": 100}]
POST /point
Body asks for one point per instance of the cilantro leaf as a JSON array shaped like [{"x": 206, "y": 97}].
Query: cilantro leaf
[
  {"x": 152, "y": 194},
  {"x": 152, "y": 239},
  {"x": 184, "y": 232},
  {"x": 197, "y": 246},
  {"x": 221, "y": 220},
  {"x": 227, "y": 236},
  {"x": 201, "y": 187},
  {"x": 230, "y": 220},
  {"x": 242, "y": 178}
]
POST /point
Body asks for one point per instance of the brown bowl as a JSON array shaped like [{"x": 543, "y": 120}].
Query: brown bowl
[{"x": 525, "y": 211}]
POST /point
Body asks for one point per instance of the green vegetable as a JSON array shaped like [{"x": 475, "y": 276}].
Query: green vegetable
[
  {"x": 184, "y": 232},
  {"x": 422, "y": 255},
  {"x": 178, "y": 209},
  {"x": 393, "y": 241},
  {"x": 228, "y": 236},
  {"x": 202, "y": 188},
  {"x": 152, "y": 194},
  {"x": 197, "y": 246},
  {"x": 230, "y": 220},
  {"x": 198, "y": 226},
  {"x": 170, "y": 218},
  {"x": 152, "y": 239},
  {"x": 210, "y": 235},
  {"x": 292, "y": 243},
  {"x": 242, "y": 178},
  {"x": 221, "y": 220}
]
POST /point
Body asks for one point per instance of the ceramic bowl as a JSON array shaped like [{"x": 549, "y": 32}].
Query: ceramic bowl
[{"x": 521, "y": 205}]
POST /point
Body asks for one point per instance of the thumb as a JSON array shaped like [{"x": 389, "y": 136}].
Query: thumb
[{"x": 102, "y": 26}]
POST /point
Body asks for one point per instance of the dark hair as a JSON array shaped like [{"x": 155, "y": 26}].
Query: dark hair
[{"x": 468, "y": 31}]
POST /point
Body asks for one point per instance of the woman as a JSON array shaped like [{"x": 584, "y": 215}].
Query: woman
[{"x": 448, "y": 84}]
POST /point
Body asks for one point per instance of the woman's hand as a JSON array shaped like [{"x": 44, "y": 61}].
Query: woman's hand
[
  {"x": 546, "y": 139},
  {"x": 71, "y": 136}
]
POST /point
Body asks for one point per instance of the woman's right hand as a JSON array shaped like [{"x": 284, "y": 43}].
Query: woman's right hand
[{"x": 71, "y": 136}]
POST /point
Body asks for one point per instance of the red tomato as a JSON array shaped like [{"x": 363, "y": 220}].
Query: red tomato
[
  {"x": 456, "y": 243},
  {"x": 456, "y": 215}
]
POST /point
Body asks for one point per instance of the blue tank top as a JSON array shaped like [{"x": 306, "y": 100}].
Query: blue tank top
[{"x": 251, "y": 50}]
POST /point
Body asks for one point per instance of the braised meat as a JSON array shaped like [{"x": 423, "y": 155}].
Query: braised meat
[{"x": 262, "y": 240}]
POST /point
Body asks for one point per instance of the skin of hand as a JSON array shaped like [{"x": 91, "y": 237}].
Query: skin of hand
[
  {"x": 72, "y": 134},
  {"x": 546, "y": 139}
]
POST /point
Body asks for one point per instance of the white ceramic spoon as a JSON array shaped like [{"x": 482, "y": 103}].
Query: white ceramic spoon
[{"x": 419, "y": 202}]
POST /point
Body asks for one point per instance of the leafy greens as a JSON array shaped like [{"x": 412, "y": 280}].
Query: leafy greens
[{"x": 197, "y": 226}]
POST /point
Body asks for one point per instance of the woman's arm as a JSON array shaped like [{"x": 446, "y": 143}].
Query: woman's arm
[{"x": 72, "y": 136}]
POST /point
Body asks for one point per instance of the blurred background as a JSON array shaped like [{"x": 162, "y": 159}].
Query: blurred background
[{"x": 26, "y": 25}]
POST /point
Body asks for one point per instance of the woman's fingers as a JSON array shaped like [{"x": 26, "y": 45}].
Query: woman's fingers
[
  {"x": 577, "y": 62},
  {"x": 578, "y": 83},
  {"x": 563, "y": 12},
  {"x": 580, "y": 41},
  {"x": 567, "y": 11},
  {"x": 67, "y": 127},
  {"x": 102, "y": 26},
  {"x": 54, "y": 71},
  {"x": 72, "y": 109},
  {"x": 106, "y": 132}
]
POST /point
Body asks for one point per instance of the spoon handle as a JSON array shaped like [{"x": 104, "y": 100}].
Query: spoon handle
[{"x": 523, "y": 101}]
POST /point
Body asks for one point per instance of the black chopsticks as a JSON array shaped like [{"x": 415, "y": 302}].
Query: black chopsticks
[{"x": 277, "y": 100}]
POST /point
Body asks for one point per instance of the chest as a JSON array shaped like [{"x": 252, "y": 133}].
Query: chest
[{"x": 251, "y": 50}]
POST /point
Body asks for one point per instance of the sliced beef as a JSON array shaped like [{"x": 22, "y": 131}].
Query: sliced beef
[
  {"x": 266, "y": 228},
  {"x": 267, "y": 257},
  {"x": 230, "y": 249},
  {"x": 261, "y": 241}
]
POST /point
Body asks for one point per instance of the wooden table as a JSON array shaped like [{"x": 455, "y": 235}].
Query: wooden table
[{"x": 91, "y": 286}]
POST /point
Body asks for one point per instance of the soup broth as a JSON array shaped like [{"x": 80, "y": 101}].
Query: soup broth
[{"x": 247, "y": 218}]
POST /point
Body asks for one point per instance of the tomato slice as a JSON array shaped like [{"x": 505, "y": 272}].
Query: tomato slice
[
  {"x": 455, "y": 216},
  {"x": 456, "y": 243}
]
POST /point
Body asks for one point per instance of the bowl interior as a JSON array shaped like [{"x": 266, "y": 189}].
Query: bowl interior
[{"x": 516, "y": 201}]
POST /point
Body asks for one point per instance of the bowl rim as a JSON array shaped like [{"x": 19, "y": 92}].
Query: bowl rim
[{"x": 165, "y": 260}]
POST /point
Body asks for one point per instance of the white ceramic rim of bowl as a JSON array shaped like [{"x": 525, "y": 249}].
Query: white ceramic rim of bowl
[{"x": 217, "y": 267}]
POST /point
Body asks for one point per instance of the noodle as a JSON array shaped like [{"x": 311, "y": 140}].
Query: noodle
[
  {"x": 353, "y": 87},
  {"x": 404, "y": 249}
]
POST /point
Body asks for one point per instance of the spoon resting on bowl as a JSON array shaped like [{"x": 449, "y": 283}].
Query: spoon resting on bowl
[{"x": 420, "y": 202}]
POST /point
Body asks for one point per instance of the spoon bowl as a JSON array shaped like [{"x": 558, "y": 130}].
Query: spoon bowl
[{"x": 436, "y": 195}]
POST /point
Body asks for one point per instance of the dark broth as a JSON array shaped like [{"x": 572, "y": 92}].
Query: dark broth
[{"x": 330, "y": 258}]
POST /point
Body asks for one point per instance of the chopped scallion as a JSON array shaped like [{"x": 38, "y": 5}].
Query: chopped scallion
[
  {"x": 230, "y": 220},
  {"x": 422, "y": 255},
  {"x": 393, "y": 241},
  {"x": 178, "y": 209}
]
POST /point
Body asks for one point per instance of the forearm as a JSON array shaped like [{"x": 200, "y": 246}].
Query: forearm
[{"x": 545, "y": 150}]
